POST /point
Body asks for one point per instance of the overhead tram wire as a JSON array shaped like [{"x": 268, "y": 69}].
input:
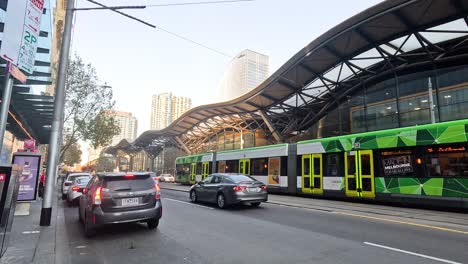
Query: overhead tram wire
[
  {"x": 103, "y": 7},
  {"x": 199, "y": 3}
]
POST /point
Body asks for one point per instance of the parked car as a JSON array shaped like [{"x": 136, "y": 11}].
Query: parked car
[
  {"x": 69, "y": 181},
  {"x": 76, "y": 190},
  {"x": 226, "y": 189},
  {"x": 167, "y": 178},
  {"x": 113, "y": 198}
]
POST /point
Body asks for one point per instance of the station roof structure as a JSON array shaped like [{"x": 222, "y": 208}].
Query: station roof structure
[{"x": 393, "y": 36}]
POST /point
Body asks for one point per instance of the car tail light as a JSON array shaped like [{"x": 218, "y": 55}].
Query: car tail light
[
  {"x": 239, "y": 188},
  {"x": 264, "y": 187},
  {"x": 158, "y": 192},
  {"x": 75, "y": 188},
  {"x": 67, "y": 183},
  {"x": 129, "y": 176},
  {"x": 97, "y": 195}
]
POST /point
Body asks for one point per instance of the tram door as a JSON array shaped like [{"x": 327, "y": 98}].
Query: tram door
[
  {"x": 359, "y": 174},
  {"x": 366, "y": 173},
  {"x": 244, "y": 166},
  {"x": 317, "y": 173},
  {"x": 193, "y": 172},
  {"x": 312, "y": 173},
  {"x": 206, "y": 170}
]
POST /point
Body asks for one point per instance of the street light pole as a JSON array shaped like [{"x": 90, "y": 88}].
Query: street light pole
[{"x": 57, "y": 123}]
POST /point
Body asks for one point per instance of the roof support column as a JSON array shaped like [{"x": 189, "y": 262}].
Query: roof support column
[
  {"x": 182, "y": 145},
  {"x": 274, "y": 132}
]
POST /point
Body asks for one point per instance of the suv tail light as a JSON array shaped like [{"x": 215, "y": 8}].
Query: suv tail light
[
  {"x": 158, "y": 191},
  {"x": 264, "y": 187},
  {"x": 75, "y": 188},
  {"x": 97, "y": 195},
  {"x": 239, "y": 188}
]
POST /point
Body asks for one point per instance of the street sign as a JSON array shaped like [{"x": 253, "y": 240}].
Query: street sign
[
  {"x": 15, "y": 72},
  {"x": 21, "y": 33}
]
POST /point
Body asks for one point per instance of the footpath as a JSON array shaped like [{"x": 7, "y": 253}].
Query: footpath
[
  {"x": 31, "y": 243},
  {"x": 412, "y": 216}
]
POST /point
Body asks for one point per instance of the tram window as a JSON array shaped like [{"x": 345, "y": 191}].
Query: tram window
[
  {"x": 333, "y": 164},
  {"x": 317, "y": 165},
  {"x": 351, "y": 165},
  {"x": 259, "y": 166},
  {"x": 453, "y": 164},
  {"x": 365, "y": 164},
  {"x": 231, "y": 166},
  {"x": 306, "y": 166}
]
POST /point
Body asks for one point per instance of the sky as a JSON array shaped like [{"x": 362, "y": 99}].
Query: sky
[{"x": 139, "y": 61}]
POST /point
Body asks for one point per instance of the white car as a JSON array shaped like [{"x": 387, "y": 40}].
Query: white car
[
  {"x": 76, "y": 190},
  {"x": 167, "y": 178},
  {"x": 69, "y": 181}
]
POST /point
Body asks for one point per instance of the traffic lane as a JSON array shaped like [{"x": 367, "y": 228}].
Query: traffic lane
[
  {"x": 123, "y": 243},
  {"x": 229, "y": 237},
  {"x": 423, "y": 240}
]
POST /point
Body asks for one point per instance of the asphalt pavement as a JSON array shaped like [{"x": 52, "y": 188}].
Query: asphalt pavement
[{"x": 201, "y": 233}]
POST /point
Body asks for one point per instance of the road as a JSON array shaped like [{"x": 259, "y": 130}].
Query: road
[{"x": 200, "y": 233}]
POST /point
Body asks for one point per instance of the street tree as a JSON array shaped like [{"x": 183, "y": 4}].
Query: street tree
[
  {"x": 87, "y": 108},
  {"x": 104, "y": 164},
  {"x": 72, "y": 155}
]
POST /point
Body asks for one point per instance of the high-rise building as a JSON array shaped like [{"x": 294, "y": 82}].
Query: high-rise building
[
  {"x": 245, "y": 72},
  {"x": 165, "y": 108},
  {"x": 128, "y": 125}
]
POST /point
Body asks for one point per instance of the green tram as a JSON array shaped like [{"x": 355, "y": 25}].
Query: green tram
[{"x": 426, "y": 164}]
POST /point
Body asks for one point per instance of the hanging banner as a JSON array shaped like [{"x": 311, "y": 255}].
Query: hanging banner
[
  {"x": 28, "y": 181},
  {"x": 274, "y": 169}
]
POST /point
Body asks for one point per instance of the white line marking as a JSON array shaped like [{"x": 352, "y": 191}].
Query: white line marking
[
  {"x": 197, "y": 205},
  {"x": 412, "y": 253}
]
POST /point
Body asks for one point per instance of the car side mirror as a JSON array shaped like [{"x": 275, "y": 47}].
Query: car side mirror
[{"x": 85, "y": 191}]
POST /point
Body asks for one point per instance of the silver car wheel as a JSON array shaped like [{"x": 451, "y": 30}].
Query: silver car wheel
[
  {"x": 221, "y": 201},
  {"x": 193, "y": 196}
]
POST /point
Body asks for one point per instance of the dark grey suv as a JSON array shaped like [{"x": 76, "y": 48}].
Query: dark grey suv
[{"x": 112, "y": 198}]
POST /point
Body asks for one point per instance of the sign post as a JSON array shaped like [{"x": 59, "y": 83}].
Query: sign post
[{"x": 19, "y": 44}]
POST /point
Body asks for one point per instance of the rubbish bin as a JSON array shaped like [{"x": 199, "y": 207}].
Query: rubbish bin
[{"x": 9, "y": 186}]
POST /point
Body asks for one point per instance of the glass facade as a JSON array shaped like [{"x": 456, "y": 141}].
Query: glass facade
[{"x": 400, "y": 101}]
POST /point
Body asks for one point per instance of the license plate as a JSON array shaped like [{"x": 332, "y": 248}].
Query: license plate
[
  {"x": 253, "y": 189},
  {"x": 130, "y": 201}
]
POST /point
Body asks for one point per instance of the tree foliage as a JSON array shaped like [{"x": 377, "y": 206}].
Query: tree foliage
[
  {"x": 72, "y": 155},
  {"x": 86, "y": 105},
  {"x": 104, "y": 164}
]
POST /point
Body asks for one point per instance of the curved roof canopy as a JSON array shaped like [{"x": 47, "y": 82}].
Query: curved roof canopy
[{"x": 393, "y": 36}]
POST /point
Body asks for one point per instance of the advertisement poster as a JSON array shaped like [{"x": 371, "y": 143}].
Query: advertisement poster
[
  {"x": 274, "y": 170},
  {"x": 221, "y": 166},
  {"x": 397, "y": 165},
  {"x": 29, "y": 177}
]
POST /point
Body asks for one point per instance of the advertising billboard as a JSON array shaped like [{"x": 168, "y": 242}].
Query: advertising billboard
[{"x": 28, "y": 179}]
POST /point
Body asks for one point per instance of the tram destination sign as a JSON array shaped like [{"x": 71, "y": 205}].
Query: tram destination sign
[
  {"x": 397, "y": 165},
  {"x": 21, "y": 33}
]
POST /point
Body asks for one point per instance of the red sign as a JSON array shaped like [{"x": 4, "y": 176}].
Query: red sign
[
  {"x": 15, "y": 72},
  {"x": 38, "y": 3},
  {"x": 29, "y": 144}
]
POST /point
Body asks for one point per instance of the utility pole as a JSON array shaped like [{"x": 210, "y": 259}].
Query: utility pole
[{"x": 57, "y": 122}]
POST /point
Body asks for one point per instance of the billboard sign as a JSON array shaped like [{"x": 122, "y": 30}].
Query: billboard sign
[
  {"x": 29, "y": 177},
  {"x": 21, "y": 33}
]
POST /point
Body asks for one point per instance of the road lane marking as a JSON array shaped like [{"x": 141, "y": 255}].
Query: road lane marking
[
  {"x": 412, "y": 253},
  {"x": 299, "y": 207},
  {"x": 197, "y": 205},
  {"x": 406, "y": 223}
]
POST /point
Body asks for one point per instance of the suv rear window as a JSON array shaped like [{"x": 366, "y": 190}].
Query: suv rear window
[
  {"x": 74, "y": 176},
  {"x": 136, "y": 183}
]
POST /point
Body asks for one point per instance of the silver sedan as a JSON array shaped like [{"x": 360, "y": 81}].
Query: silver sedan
[
  {"x": 76, "y": 189},
  {"x": 226, "y": 189}
]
